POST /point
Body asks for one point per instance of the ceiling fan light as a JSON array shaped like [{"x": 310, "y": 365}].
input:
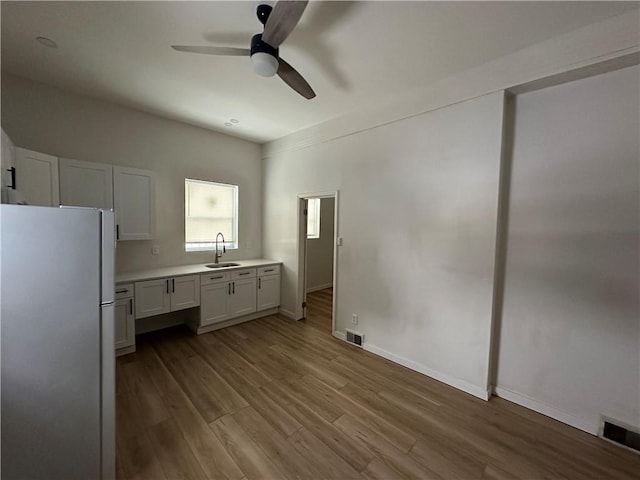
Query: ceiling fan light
[{"x": 264, "y": 64}]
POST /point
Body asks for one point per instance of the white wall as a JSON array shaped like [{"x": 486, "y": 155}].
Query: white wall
[
  {"x": 417, "y": 211},
  {"x": 64, "y": 124},
  {"x": 570, "y": 334},
  {"x": 320, "y": 250}
]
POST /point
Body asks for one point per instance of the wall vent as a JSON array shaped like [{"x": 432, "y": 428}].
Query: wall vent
[
  {"x": 355, "y": 337},
  {"x": 621, "y": 435}
]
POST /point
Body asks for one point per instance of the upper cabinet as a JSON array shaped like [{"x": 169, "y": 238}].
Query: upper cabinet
[
  {"x": 36, "y": 177},
  {"x": 131, "y": 192},
  {"x": 134, "y": 193},
  {"x": 86, "y": 184}
]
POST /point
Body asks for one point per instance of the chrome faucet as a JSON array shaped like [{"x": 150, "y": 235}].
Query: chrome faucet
[{"x": 218, "y": 254}]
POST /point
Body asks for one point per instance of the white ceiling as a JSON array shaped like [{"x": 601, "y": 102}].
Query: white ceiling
[{"x": 352, "y": 53}]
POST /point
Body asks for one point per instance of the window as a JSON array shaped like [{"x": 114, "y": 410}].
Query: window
[
  {"x": 313, "y": 218},
  {"x": 209, "y": 208}
]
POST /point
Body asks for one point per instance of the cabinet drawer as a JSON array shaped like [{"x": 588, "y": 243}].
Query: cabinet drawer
[
  {"x": 217, "y": 277},
  {"x": 244, "y": 273},
  {"x": 270, "y": 270},
  {"x": 124, "y": 291}
]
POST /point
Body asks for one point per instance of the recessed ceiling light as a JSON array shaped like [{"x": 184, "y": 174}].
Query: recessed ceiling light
[
  {"x": 233, "y": 120},
  {"x": 227, "y": 124},
  {"x": 47, "y": 42}
]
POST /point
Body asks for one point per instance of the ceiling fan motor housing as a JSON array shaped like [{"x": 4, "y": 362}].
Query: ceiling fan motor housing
[{"x": 264, "y": 58}]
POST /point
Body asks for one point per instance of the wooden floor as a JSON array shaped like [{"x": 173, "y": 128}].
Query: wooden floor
[{"x": 277, "y": 399}]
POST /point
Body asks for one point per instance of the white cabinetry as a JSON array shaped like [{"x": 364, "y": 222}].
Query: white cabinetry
[
  {"x": 224, "y": 296},
  {"x": 125, "y": 328},
  {"x": 155, "y": 297},
  {"x": 185, "y": 292},
  {"x": 36, "y": 177},
  {"x": 134, "y": 195},
  {"x": 268, "y": 295},
  {"x": 214, "y": 298},
  {"x": 243, "y": 292},
  {"x": 86, "y": 184},
  {"x": 131, "y": 192}
]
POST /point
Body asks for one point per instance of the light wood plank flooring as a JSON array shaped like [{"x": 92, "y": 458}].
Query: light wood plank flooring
[
  {"x": 277, "y": 399},
  {"x": 319, "y": 309}
]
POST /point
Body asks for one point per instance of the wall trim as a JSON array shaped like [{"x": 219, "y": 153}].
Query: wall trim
[
  {"x": 581, "y": 423},
  {"x": 319, "y": 287},
  {"x": 287, "y": 314},
  {"x": 340, "y": 335},
  {"x": 450, "y": 380}
]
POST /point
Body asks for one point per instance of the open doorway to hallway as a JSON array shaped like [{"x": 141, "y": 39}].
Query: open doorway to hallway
[{"x": 319, "y": 260}]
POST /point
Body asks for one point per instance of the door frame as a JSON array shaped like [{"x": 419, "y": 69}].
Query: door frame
[{"x": 301, "y": 296}]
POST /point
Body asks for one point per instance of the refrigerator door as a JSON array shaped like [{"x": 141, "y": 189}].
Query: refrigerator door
[
  {"x": 51, "y": 342},
  {"x": 108, "y": 245}
]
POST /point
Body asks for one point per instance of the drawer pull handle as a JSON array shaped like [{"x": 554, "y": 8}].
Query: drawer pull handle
[
  {"x": 244, "y": 273},
  {"x": 124, "y": 290},
  {"x": 269, "y": 270},
  {"x": 215, "y": 278}
]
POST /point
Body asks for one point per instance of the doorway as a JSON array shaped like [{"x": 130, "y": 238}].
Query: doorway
[{"x": 318, "y": 259}]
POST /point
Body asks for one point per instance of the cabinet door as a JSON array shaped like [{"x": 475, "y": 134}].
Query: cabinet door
[
  {"x": 7, "y": 159},
  {"x": 243, "y": 297},
  {"x": 268, "y": 292},
  {"x": 86, "y": 184},
  {"x": 125, "y": 323},
  {"x": 134, "y": 197},
  {"x": 37, "y": 177},
  {"x": 152, "y": 297},
  {"x": 214, "y": 303},
  {"x": 185, "y": 292}
]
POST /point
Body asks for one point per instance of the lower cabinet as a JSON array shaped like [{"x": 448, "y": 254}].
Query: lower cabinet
[
  {"x": 268, "y": 295},
  {"x": 221, "y": 296},
  {"x": 154, "y": 297},
  {"x": 125, "y": 326},
  {"x": 227, "y": 295}
]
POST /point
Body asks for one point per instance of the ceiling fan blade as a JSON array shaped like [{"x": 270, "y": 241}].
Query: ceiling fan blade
[
  {"x": 210, "y": 50},
  {"x": 292, "y": 78},
  {"x": 282, "y": 20}
]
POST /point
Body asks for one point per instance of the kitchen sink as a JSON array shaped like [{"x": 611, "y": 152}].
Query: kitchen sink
[{"x": 222, "y": 265}]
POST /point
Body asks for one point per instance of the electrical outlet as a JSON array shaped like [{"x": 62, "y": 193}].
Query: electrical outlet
[
  {"x": 155, "y": 250},
  {"x": 354, "y": 319}
]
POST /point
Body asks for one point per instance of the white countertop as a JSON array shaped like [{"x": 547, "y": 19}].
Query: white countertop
[{"x": 164, "y": 272}]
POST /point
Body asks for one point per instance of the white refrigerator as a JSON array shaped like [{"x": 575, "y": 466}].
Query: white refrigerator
[{"x": 57, "y": 389}]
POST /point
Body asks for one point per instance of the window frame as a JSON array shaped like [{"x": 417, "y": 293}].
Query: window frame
[
  {"x": 316, "y": 207},
  {"x": 210, "y": 246}
]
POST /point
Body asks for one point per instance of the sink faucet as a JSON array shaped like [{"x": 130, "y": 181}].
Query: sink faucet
[{"x": 218, "y": 253}]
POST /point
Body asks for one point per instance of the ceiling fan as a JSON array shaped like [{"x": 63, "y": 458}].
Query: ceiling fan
[{"x": 278, "y": 22}]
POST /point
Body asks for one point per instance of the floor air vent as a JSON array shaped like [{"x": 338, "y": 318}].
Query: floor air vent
[
  {"x": 621, "y": 435},
  {"x": 354, "y": 337}
]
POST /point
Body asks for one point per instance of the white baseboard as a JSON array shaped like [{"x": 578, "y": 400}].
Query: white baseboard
[
  {"x": 319, "y": 287},
  {"x": 454, "y": 382},
  {"x": 340, "y": 336},
  {"x": 287, "y": 313},
  {"x": 125, "y": 350},
  {"x": 581, "y": 423}
]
